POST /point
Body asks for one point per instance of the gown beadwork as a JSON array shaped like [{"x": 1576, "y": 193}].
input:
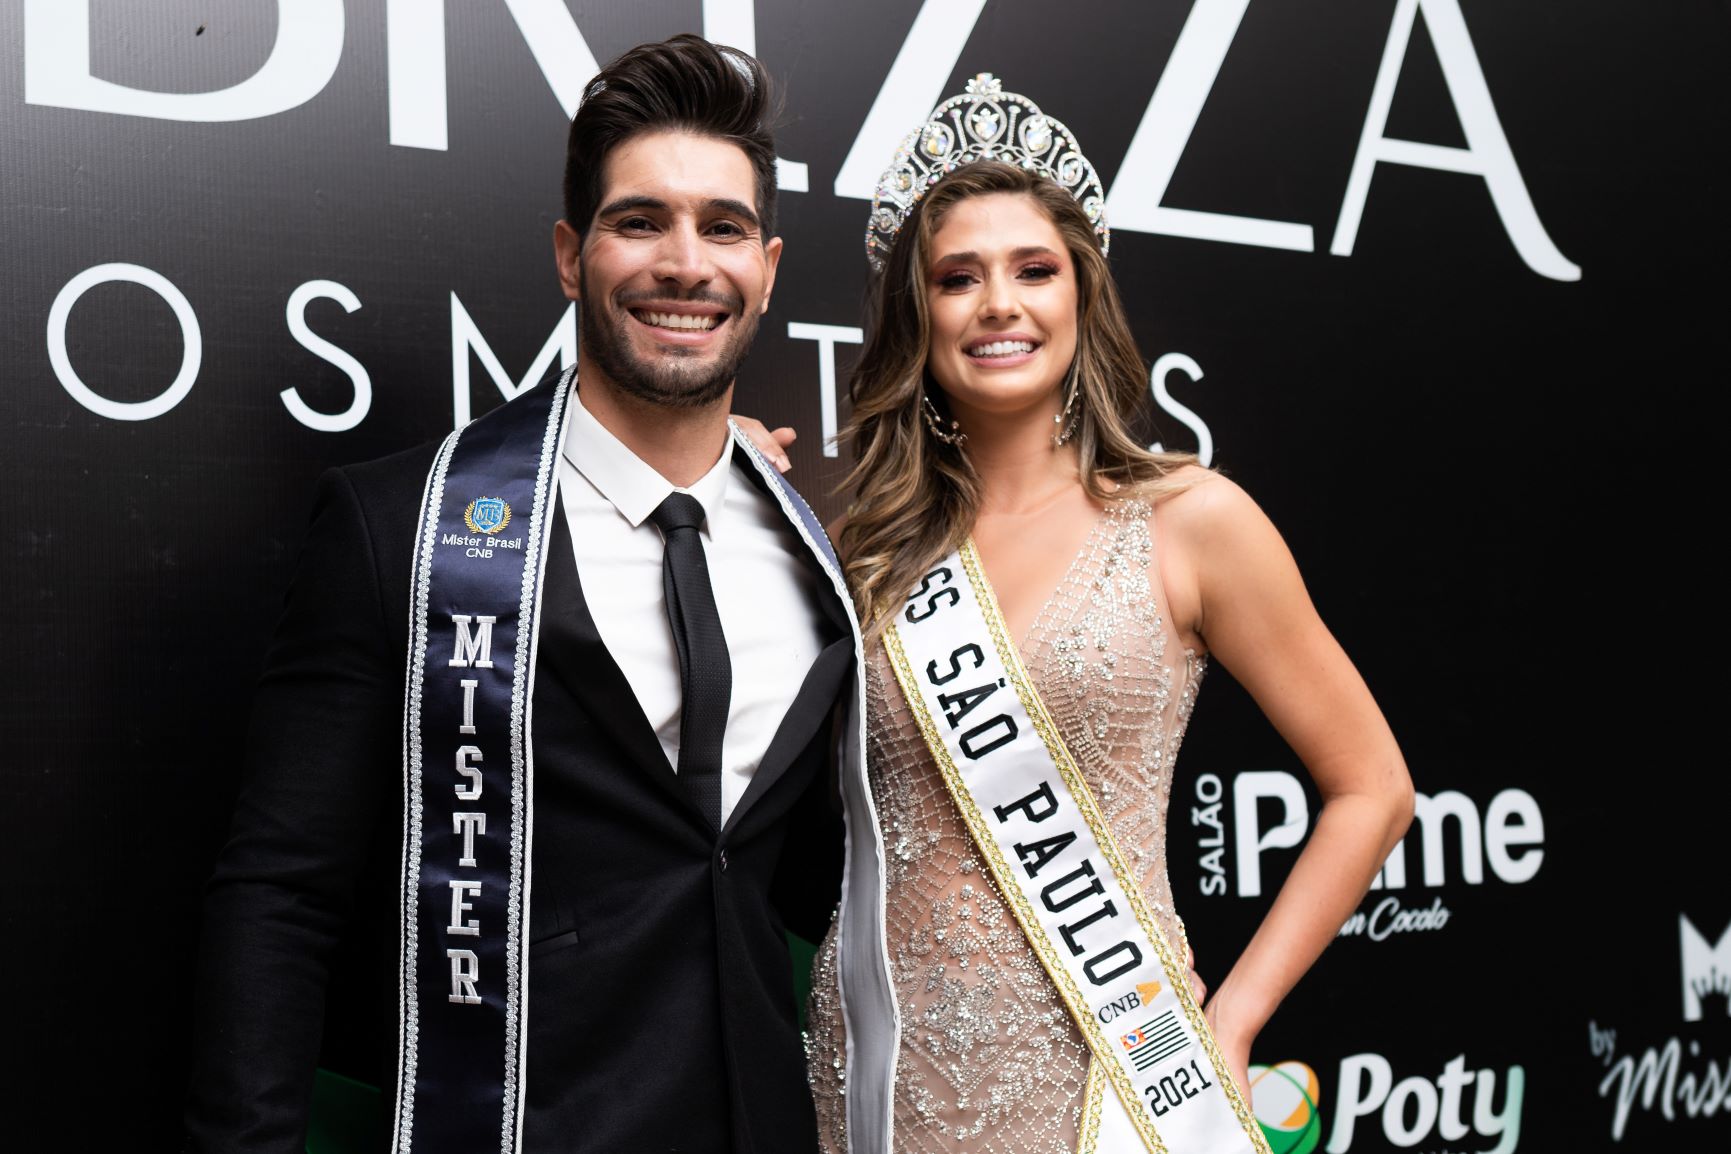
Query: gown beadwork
[{"x": 989, "y": 1060}]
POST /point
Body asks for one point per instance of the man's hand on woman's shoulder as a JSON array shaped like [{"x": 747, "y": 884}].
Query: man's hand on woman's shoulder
[{"x": 772, "y": 443}]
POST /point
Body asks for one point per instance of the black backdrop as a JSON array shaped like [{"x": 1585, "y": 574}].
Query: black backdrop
[{"x": 1488, "y": 442}]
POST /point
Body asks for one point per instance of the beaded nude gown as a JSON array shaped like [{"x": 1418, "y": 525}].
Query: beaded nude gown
[{"x": 990, "y": 1062}]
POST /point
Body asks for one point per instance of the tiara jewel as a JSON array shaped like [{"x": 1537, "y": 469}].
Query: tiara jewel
[{"x": 983, "y": 122}]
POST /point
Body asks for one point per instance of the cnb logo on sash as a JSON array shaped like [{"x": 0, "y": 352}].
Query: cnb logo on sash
[{"x": 487, "y": 515}]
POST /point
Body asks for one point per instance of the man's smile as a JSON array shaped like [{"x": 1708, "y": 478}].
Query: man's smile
[{"x": 689, "y": 322}]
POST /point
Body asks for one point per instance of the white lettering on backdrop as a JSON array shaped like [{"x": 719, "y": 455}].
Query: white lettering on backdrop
[
  {"x": 1416, "y": 1108},
  {"x": 826, "y": 337},
  {"x": 309, "y": 43},
  {"x": 1510, "y": 836},
  {"x": 61, "y": 361},
  {"x": 1487, "y": 153},
  {"x": 940, "y": 32},
  {"x": 325, "y": 351},
  {"x": 466, "y": 338}
]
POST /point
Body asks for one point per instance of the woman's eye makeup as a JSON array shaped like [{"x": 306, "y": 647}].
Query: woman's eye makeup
[{"x": 962, "y": 278}]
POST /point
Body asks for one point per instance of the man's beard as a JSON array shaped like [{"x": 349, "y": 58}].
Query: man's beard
[{"x": 679, "y": 379}]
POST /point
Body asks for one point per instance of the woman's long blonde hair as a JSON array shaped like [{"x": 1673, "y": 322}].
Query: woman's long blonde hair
[{"x": 914, "y": 498}]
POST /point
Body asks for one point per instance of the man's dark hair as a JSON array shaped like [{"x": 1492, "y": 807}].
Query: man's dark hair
[{"x": 684, "y": 84}]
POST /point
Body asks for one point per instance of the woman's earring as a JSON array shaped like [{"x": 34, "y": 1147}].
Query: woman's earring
[
  {"x": 935, "y": 422},
  {"x": 1069, "y": 418}
]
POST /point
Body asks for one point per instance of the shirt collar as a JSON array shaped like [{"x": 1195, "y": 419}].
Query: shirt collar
[{"x": 629, "y": 483}]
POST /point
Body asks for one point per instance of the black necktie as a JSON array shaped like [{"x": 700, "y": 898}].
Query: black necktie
[{"x": 705, "y": 673}]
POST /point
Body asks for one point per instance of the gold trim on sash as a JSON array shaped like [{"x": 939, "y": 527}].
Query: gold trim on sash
[
  {"x": 1010, "y": 888},
  {"x": 1093, "y": 1098}
]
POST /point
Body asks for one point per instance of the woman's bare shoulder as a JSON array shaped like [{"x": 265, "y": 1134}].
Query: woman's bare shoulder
[
  {"x": 1196, "y": 491},
  {"x": 1184, "y": 488},
  {"x": 1199, "y": 508}
]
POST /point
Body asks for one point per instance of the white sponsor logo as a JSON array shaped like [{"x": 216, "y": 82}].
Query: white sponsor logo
[
  {"x": 468, "y": 345},
  {"x": 934, "y": 47},
  {"x": 1206, "y": 817},
  {"x": 1706, "y": 970},
  {"x": 1413, "y": 1110},
  {"x": 1657, "y": 1079},
  {"x": 308, "y": 48},
  {"x": 1183, "y": 414},
  {"x": 1507, "y": 835},
  {"x": 1390, "y": 917},
  {"x": 309, "y": 45},
  {"x": 310, "y": 37},
  {"x": 1672, "y": 1078}
]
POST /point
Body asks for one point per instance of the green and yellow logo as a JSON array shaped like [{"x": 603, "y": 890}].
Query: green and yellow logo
[{"x": 1283, "y": 1097}]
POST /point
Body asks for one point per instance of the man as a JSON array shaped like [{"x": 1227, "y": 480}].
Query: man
[{"x": 573, "y": 830}]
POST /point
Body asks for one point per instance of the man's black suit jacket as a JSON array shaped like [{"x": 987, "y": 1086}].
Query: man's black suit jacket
[{"x": 661, "y": 1016}]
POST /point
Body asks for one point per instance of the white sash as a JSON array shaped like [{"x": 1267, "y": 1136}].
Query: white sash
[{"x": 1060, "y": 871}]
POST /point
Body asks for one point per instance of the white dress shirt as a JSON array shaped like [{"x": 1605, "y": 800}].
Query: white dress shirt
[{"x": 766, "y": 593}]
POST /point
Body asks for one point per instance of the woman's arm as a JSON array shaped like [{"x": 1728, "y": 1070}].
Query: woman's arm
[{"x": 1234, "y": 586}]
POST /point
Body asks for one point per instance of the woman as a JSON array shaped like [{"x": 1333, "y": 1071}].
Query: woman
[{"x": 992, "y": 404}]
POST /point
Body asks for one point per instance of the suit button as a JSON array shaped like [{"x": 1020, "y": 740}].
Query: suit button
[{"x": 722, "y": 860}]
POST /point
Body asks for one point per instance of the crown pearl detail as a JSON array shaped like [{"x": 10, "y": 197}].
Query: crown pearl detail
[{"x": 983, "y": 122}]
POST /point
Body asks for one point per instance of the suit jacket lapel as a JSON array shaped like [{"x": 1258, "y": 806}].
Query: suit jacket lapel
[
  {"x": 823, "y": 681},
  {"x": 832, "y": 608},
  {"x": 571, "y": 650},
  {"x": 815, "y": 700}
]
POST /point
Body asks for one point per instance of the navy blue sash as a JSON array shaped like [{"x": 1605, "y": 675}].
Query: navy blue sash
[{"x": 468, "y": 798}]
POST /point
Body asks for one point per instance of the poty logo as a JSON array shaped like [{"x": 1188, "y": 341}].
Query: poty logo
[
  {"x": 1284, "y": 1098},
  {"x": 1414, "y": 1109},
  {"x": 1706, "y": 973}
]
